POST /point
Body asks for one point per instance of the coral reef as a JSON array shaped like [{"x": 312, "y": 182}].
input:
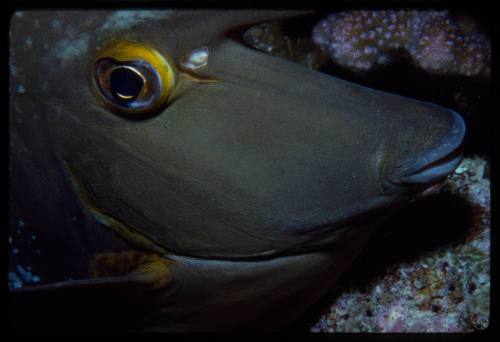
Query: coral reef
[
  {"x": 364, "y": 39},
  {"x": 271, "y": 38},
  {"x": 443, "y": 290}
]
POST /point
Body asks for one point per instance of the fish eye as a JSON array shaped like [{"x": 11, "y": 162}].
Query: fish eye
[{"x": 133, "y": 78}]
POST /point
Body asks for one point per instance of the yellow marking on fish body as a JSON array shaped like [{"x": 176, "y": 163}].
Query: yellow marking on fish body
[
  {"x": 134, "y": 265},
  {"x": 126, "y": 232},
  {"x": 155, "y": 273}
]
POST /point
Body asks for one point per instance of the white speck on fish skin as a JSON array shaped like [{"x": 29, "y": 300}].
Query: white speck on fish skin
[
  {"x": 13, "y": 70},
  {"x": 55, "y": 24},
  {"x": 20, "y": 223},
  {"x": 68, "y": 49},
  {"x": 28, "y": 42},
  {"x": 20, "y": 89},
  {"x": 19, "y": 14},
  {"x": 128, "y": 18}
]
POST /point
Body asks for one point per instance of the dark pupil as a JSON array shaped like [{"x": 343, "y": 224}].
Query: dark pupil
[{"x": 125, "y": 84}]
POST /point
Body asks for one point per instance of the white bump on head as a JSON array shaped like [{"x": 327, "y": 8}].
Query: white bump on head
[{"x": 197, "y": 59}]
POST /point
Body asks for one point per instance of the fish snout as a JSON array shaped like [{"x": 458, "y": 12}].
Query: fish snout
[{"x": 432, "y": 165}]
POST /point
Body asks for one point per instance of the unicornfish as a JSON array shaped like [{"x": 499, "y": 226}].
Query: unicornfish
[{"x": 192, "y": 182}]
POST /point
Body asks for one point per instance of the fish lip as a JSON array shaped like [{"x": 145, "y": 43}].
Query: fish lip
[
  {"x": 435, "y": 170},
  {"x": 439, "y": 162}
]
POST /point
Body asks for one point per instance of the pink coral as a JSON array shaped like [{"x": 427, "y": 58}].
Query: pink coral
[{"x": 364, "y": 39}]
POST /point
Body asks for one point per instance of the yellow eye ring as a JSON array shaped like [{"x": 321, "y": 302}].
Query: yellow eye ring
[{"x": 132, "y": 78}]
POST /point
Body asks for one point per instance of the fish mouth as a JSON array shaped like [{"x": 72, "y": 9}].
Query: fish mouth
[
  {"x": 436, "y": 170},
  {"x": 436, "y": 164}
]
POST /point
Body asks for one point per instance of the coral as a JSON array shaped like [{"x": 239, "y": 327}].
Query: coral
[
  {"x": 271, "y": 38},
  {"x": 446, "y": 289},
  {"x": 362, "y": 40}
]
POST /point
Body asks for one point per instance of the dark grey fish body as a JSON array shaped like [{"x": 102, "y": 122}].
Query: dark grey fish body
[{"x": 259, "y": 187}]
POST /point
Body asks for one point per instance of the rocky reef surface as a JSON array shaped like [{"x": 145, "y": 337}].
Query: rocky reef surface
[{"x": 442, "y": 289}]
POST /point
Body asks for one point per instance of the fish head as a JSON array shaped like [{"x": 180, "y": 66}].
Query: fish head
[
  {"x": 247, "y": 155},
  {"x": 256, "y": 179}
]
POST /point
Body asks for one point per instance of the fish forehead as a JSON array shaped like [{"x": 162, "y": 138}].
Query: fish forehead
[
  {"x": 67, "y": 34},
  {"x": 225, "y": 170}
]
